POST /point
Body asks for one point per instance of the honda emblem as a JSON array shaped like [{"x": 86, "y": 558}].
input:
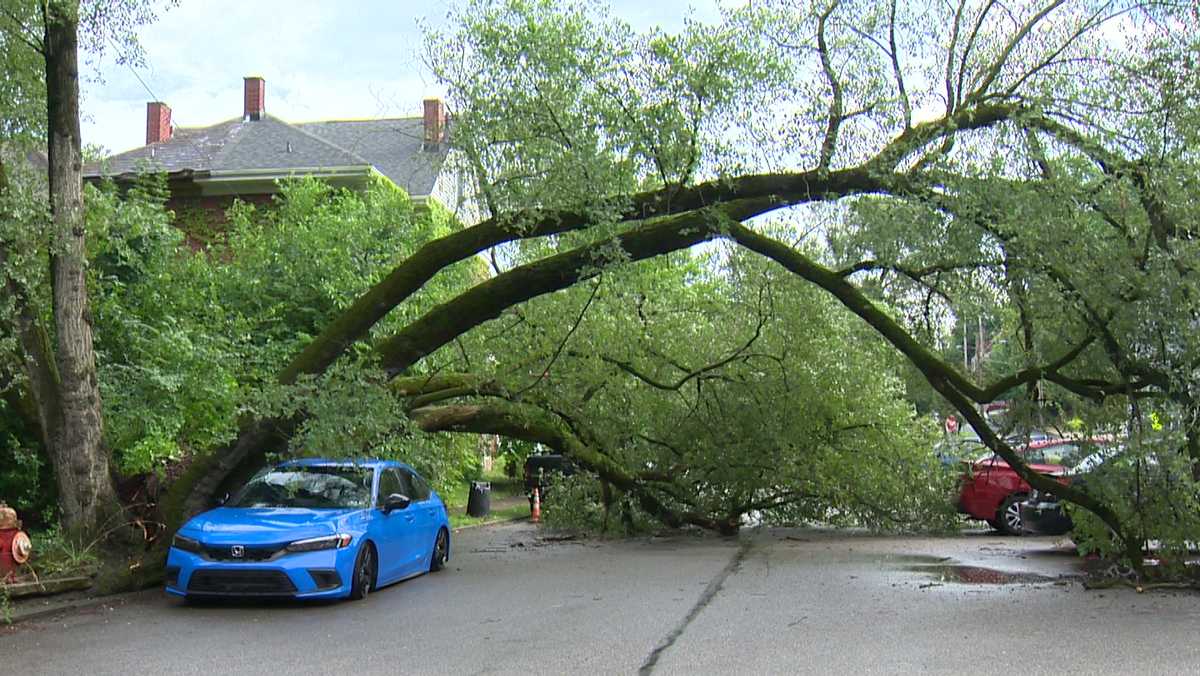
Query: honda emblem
[{"x": 237, "y": 551}]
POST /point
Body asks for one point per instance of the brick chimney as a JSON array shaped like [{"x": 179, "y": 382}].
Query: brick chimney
[
  {"x": 435, "y": 123},
  {"x": 255, "y": 98},
  {"x": 158, "y": 122}
]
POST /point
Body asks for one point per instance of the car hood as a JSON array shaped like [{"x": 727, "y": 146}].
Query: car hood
[{"x": 249, "y": 525}]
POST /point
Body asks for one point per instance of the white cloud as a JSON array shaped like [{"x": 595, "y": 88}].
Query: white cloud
[{"x": 321, "y": 60}]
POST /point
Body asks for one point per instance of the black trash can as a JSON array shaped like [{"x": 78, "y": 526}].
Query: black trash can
[{"x": 479, "y": 500}]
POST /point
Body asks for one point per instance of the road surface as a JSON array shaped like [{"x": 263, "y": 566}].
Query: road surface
[{"x": 514, "y": 601}]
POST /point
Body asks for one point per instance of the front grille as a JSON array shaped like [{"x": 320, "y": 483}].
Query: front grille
[
  {"x": 242, "y": 582},
  {"x": 255, "y": 553}
]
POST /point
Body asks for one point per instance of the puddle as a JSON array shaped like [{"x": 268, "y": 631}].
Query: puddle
[{"x": 952, "y": 572}]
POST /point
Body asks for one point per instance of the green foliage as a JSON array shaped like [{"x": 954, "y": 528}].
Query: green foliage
[
  {"x": 578, "y": 505},
  {"x": 351, "y": 413},
  {"x": 1151, "y": 486},
  {"x": 188, "y": 341},
  {"x": 168, "y": 379},
  {"x": 733, "y": 388},
  {"x": 23, "y": 469},
  {"x": 586, "y": 108},
  {"x": 56, "y": 554}
]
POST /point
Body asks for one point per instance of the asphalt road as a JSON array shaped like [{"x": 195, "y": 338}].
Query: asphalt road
[{"x": 514, "y": 601}]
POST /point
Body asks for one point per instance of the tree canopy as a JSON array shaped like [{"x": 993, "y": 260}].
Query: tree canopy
[{"x": 715, "y": 254}]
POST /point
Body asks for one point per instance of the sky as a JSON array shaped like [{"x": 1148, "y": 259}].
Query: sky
[{"x": 321, "y": 59}]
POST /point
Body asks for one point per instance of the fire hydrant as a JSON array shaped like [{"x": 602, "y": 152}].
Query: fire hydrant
[{"x": 15, "y": 546}]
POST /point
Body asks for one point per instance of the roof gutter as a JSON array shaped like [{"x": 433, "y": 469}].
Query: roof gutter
[
  {"x": 235, "y": 181},
  {"x": 226, "y": 175}
]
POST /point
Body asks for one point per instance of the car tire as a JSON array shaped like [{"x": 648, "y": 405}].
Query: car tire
[
  {"x": 363, "y": 575},
  {"x": 1008, "y": 517},
  {"x": 441, "y": 551}
]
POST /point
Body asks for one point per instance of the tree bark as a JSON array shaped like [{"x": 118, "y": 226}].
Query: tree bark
[{"x": 86, "y": 494}]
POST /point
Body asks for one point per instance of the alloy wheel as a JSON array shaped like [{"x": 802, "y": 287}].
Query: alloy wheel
[
  {"x": 1012, "y": 516},
  {"x": 364, "y": 571},
  {"x": 441, "y": 551}
]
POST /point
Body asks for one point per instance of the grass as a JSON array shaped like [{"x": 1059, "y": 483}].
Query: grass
[
  {"x": 507, "y": 497},
  {"x": 56, "y": 555}
]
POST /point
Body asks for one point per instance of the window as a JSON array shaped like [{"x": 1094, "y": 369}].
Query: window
[
  {"x": 420, "y": 487},
  {"x": 406, "y": 486},
  {"x": 389, "y": 483}
]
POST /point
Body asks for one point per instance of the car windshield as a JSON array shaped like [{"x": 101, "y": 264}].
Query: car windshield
[
  {"x": 309, "y": 486},
  {"x": 1094, "y": 460}
]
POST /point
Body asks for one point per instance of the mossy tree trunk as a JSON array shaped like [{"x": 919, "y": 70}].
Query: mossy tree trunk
[{"x": 60, "y": 364}]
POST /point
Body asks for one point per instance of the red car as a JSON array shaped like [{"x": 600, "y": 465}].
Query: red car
[{"x": 993, "y": 492}]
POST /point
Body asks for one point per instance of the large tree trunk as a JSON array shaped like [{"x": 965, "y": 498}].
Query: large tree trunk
[{"x": 86, "y": 495}]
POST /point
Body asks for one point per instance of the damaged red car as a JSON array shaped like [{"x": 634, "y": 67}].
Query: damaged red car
[{"x": 993, "y": 492}]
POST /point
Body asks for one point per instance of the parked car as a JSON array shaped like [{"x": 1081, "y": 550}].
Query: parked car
[
  {"x": 957, "y": 448},
  {"x": 542, "y": 471},
  {"x": 993, "y": 492},
  {"x": 1042, "y": 513},
  {"x": 313, "y": 529}
]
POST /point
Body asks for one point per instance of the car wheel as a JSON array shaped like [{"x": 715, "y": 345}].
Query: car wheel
[
  {"x": 441, "y": 551},
  {"x": 364, "y": 573},
  {"x": 1009, "y": 516}
]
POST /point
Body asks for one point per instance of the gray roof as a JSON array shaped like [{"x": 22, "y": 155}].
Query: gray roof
[{"x": 392, "y": 146}]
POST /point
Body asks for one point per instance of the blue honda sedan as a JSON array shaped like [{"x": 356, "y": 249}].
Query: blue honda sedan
[{"x": 313, "y": 529}]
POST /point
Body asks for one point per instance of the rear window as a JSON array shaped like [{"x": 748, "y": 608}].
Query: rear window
[{"x": 1058, "y": 454}]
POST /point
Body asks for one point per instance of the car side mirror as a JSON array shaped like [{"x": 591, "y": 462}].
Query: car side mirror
[
  {"x": 396, "y": 501},
  {"x": 218, "y": 502}
]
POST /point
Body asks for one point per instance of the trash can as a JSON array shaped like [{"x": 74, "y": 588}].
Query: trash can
[{"x": 479, "y": 500}]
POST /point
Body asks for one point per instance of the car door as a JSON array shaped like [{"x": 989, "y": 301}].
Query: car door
[
  {"x": 991, "y": 485},
  {"x": 398, "y": 528},
  {"x": 428, "y": 520},
  {"x": 422, "y": 518}
]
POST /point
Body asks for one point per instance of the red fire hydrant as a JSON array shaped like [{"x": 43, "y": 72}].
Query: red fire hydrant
[{"x": 15, "y": 546}]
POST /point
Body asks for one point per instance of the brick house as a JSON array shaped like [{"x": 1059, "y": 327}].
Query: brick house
[{"x": 244, "y": 157}]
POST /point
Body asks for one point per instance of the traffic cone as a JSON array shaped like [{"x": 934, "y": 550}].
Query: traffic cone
[{"x": 536, "y": 516}]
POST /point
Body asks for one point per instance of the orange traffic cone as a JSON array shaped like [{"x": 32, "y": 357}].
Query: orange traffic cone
[{"x": 536, "y": 516}]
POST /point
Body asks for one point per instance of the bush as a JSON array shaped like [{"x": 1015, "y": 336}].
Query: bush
[
  {"x": 576, "y": 504},
  {"x": 1149, "y": 484}
]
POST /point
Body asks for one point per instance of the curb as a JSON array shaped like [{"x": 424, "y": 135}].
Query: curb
[
  {"x": 489, "y": 523},
  {"x": 18, "y": 616}
]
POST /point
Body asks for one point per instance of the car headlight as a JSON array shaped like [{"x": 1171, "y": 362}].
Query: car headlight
[
  {"x": 186, "y": 544},
  {"x": 325, "y": 542}
]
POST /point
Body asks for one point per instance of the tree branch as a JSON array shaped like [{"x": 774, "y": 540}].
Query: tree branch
[
  {"x": 998, "y": 65},
  {"x": 896, "y": 72},
  {"x": 835, "y": 102}
]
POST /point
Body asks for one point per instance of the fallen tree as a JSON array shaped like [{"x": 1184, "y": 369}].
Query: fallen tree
[{"x": 1027, "y": 191}]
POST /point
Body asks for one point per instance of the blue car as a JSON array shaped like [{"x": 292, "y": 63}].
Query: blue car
[{"x": 311, "y": 529}]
